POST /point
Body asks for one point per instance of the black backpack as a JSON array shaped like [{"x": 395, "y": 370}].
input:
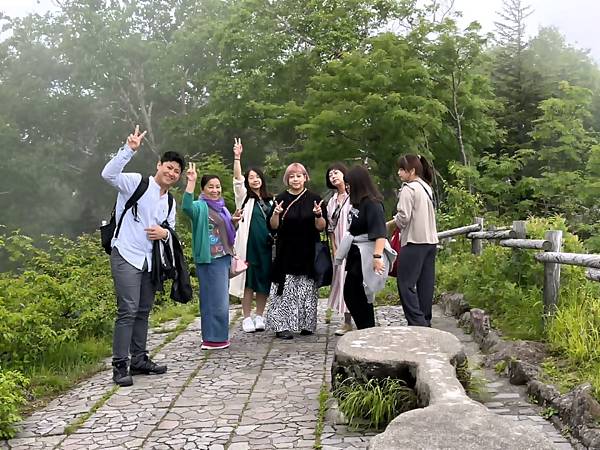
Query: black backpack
[{"x": 111, "y": 229}]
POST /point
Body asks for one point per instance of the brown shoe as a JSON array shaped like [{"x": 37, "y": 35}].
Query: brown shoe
[{"x": 343, "y": 329}]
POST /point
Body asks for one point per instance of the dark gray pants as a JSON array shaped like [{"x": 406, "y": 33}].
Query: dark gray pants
[
  {"x": 135, "y": 297},
  {"x": 416, "y": 278}
]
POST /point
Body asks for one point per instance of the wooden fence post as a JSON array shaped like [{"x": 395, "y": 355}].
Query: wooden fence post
[
  {"x": 520, "y": 229},
  {"x": 552, "y": 275},
  {"x": 476, "y": 244}
]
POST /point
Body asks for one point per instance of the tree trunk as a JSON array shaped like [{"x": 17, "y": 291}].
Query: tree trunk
[{"x": 457, "y": 118}]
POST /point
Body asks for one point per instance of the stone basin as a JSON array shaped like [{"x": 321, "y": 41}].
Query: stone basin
[{"x": 447, "y": 418}]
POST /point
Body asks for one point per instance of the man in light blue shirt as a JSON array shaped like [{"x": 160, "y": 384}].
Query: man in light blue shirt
[{"x": 131, "y": 257}]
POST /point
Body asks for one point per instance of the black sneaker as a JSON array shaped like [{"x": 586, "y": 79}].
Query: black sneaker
[
  {"x": 121, "y": 375},
  {"x": 306, "y": 332},
  {"x": 284, "y": 334},
  {"x": 146, "y": 366}
]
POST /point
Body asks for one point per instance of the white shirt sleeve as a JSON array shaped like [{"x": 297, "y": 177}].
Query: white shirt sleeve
[
  {"x": 125, "y": 183},
  {"x": 239, "y": 191}
]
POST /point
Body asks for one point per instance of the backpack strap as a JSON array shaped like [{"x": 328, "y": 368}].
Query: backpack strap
[
  {"x": 170, "y": 205},
  {"x": 132, "y": 201},
  {"x": 165, "y": 223}
]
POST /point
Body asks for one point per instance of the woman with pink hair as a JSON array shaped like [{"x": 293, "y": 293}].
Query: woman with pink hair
[{"x": 298, "y": 219}]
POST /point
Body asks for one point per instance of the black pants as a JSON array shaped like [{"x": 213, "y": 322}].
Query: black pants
[
  {"x": 354, "y": 294},
  {"x": 416, "y": 278}
]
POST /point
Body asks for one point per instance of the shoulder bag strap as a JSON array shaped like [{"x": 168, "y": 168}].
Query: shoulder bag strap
[
  {"x": 428, "y": 194},
  {"x": 292, "y": 203}
]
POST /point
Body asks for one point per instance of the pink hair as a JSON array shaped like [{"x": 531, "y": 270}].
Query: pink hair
[{"x": 292, "y": 168}]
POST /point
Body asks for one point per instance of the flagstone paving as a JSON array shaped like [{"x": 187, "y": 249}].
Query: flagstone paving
[{"x": 261, "y": 393}]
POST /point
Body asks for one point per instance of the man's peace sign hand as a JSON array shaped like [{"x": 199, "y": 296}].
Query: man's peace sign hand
[
  {"x": 134, "y": 140},
  {"x": 191, "y": 173}
]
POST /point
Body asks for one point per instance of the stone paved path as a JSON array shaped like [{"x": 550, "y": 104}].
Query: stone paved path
[
  {"x": 262, "y": 393},
  {"x": 501, "y": 396}
]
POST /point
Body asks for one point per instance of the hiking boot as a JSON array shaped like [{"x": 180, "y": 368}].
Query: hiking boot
[
  {"x": 145, "y": 366},
  {"x": 121, "y": 375}
]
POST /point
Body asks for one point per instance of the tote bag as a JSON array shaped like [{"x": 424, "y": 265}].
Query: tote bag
[{"x": 395, "y": 244}]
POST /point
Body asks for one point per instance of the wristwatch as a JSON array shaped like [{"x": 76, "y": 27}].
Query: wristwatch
[{"x": 376, "y": 256}]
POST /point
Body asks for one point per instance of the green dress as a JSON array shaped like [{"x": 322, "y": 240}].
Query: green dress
[{"x": 258, "y": 253}]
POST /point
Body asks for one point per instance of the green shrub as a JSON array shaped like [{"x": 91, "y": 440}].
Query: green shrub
[
  {"x": 12, "y": 397},
  {"x": 57, "y": 308},
  {"x": 388, "y": 296},
  {"x": 509, "y": 285}
]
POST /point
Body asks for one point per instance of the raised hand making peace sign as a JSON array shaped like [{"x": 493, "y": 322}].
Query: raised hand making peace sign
[
  {"x": 134, "y": 140},
  {"x": 191, "y": 173},
  {"x": 237, "y": 215},
  {"x": 278, "y": 208},
  {"x": 237, "y": 147},
  {"x": 318, "y": 212}
]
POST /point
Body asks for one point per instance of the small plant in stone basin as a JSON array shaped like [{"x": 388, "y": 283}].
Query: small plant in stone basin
[{"x": 374, "y": 402}]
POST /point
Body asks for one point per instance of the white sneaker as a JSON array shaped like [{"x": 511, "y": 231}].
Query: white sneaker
[
  {"x": 259, "y": 323},
  {"x": 248, "y": 325}
]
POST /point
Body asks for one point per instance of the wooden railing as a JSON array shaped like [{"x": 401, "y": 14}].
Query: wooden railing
[{"x": 516, "y": 237}]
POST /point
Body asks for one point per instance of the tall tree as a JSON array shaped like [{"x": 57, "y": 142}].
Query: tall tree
[
  {"x": 551, "y": 59},
  {"x": 562, "y": 145},
  {"x": 509, "y": 77},
  {"x": 267, "y": 53},
  {"x": 461, "y": 83},
  {"x": 371, "y": 105}
]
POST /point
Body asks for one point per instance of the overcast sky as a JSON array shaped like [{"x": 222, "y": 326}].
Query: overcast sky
[{"x": 578, "y": 20}]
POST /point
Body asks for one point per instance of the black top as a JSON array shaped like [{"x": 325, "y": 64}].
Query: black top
[
  {"x": 296, "y": 236},
  {"x": 369, "y": 219}
]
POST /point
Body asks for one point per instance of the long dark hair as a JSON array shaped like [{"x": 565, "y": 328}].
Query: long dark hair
[
  {"x": 361, "y": 186},
  {"x": 422, "y": 167},
  {"x": 264, "y": 193}
]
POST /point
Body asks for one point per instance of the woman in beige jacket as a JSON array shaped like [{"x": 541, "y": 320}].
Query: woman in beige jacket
[
  {"x": 415, "y": 220},
  {"x": 253, "y": 241}
]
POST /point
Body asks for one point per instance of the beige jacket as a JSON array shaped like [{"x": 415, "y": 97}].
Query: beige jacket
[
  {"x": 416, "y": 215},
  {"x": 238, "y": 284}
]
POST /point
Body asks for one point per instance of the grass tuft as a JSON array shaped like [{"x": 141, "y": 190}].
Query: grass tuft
[
  {"x": 323, "y": 398},
  {"x": 375, "y": 402}
]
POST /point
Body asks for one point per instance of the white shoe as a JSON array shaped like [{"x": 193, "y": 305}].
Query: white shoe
[
  {"x": 248, "y": 325},
  {"x": 259, "y": 323}
]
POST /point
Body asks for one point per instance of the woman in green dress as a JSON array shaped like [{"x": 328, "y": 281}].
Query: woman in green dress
[{"x": 253, "y": 241}]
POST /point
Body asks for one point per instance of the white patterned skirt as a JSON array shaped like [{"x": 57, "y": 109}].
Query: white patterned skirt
[{"x": 296, "y": 308}]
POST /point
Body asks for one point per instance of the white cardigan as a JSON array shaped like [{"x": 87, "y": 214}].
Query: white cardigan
[{"x": 238, "y": 284}]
